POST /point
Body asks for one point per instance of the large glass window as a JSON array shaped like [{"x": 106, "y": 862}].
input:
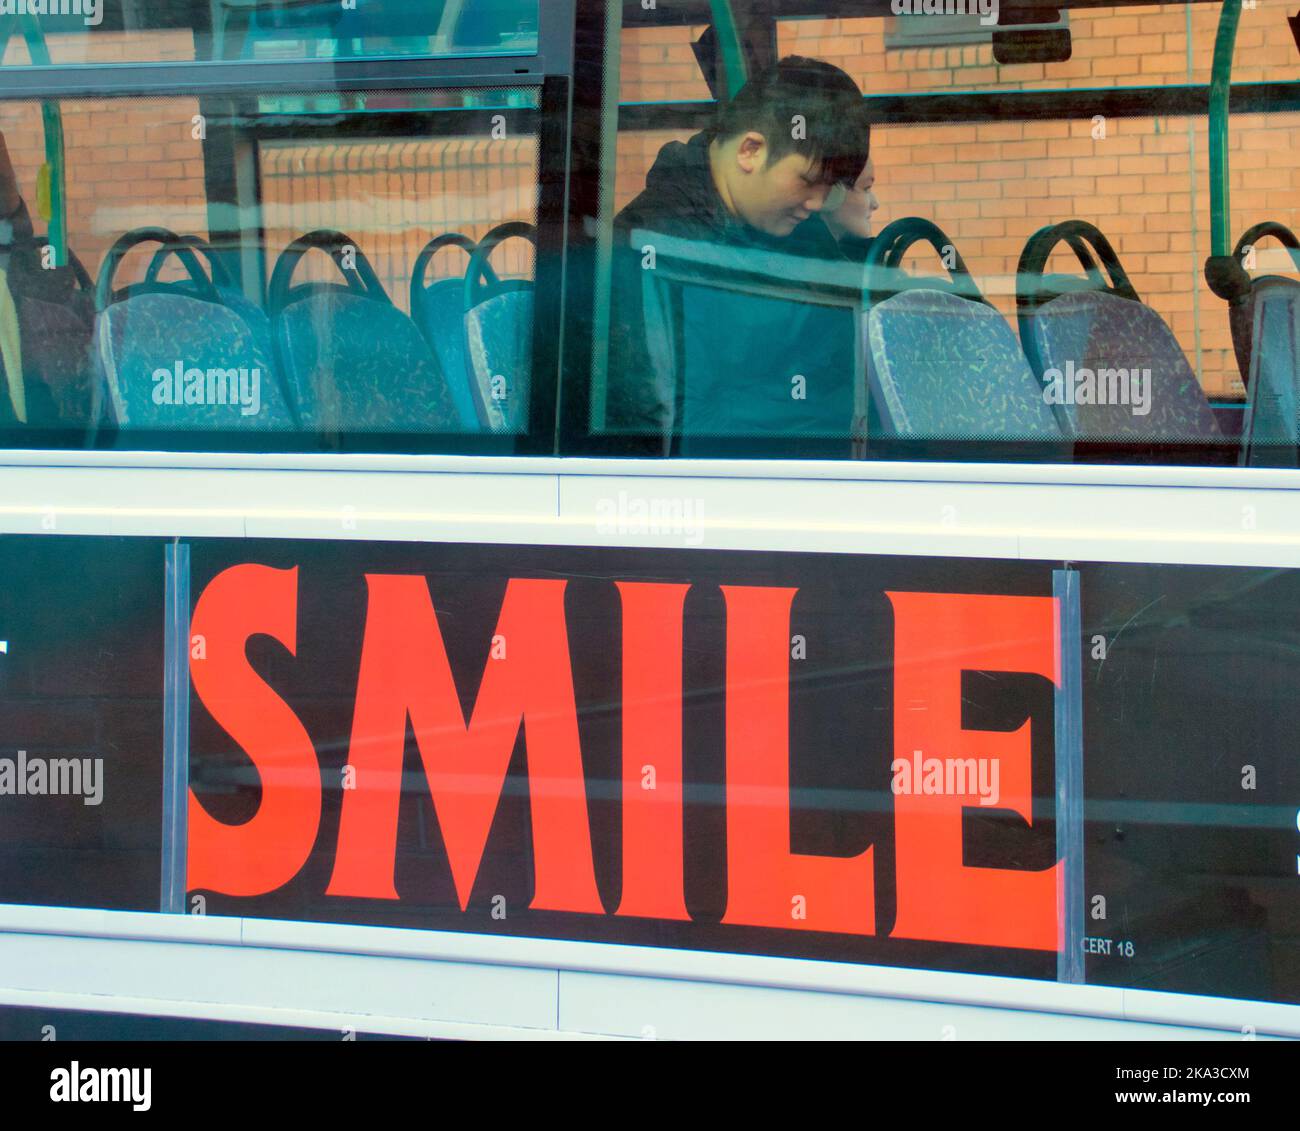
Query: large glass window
[
  {"x": 1015, "y": 268},
  {"x": 280, "y": 272}
]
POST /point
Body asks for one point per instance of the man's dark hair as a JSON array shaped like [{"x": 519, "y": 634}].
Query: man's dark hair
[{"x": 835, "y": 134}]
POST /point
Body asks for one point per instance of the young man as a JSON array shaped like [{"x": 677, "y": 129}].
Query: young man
[{"x": 784, "y": 170}]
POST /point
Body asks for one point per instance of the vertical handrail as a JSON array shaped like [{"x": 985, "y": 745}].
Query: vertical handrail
[
  {"x": 1069, "y": 774},
  {"x": 601, "y": 311},
  {"x": 176, "y": 727},
  {"x": 1225, "y": 43},
  {"x": 52, "y": 115},
  {"x": 735, "y": 71}
]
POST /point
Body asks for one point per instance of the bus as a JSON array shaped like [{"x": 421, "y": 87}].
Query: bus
[{"x": 919, "y": 660}]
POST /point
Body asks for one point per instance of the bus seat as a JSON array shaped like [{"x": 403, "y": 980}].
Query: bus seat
[
  {"x": 941, "y": 363},
  {"x": 354, "y": 361},
  {"x": 439, "y": 311},
  {"x": 1241, "y": 311},
  {"x": 56, "y": 316},
  {"x": 231, "y": 296},
  {"x": 499, "y": 334},
  {"x": 1271, "y": 431},
  {"x": 1264, "y": 317},
  {"x": 500, "y": 343},
  {"x": 1078, "y": 327},
  {"x": 150, "y": 327}
]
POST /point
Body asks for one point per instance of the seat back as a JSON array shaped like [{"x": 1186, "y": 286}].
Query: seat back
[
  {"x": 1244, "y": 289},
  {"x": 174, "y": 357},
  {"x": 941, "y": 367},
  {"x": 439, "y": 311},
  {"x": 498, "y": 319},
  {"x": 56, "y": 317},
  {"x": 742, "y": 344},
  {"x": 1110, "y": 366},
  {"x": 355, "y": 361},
  {"x": 177, "y": 363},
  {"x": 1271, "y": 432},
  {"x": 500, "y": 333},
  {"x": 231, "y": 296},
  {"x": 754, "y": 365},
  {"x": 1115, "y": 371},
  {"x": 941, "y": 363}
]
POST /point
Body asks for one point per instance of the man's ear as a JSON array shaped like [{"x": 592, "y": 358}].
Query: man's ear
[{"x": 751, "y": 153}]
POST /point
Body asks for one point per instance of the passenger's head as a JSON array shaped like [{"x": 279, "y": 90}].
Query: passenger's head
[
  {"x": 791, "y": 134},
  {"x": 851, "y": 211}
]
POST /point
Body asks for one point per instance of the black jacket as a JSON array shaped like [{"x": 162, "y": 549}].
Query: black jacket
[{"x": 680, "y": 200}]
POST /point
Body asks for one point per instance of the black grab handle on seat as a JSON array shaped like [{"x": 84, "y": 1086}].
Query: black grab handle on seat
[
  {"x": 360, "y": 279},
  {"x": 105, "y": 295},
  {"x": 885, "y": 257}
]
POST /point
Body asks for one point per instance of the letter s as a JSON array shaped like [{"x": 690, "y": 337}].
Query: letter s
[{"x": 266, "y": 852}]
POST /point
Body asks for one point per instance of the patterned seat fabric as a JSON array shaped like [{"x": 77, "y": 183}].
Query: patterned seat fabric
[
  {"x": 1136, "y": 365},
  {"x": 1272, "y": 426},
  {"x": 942, "y": 367},
  {"x": 57, "y": 364},
  {"x": 217, "y": 374},
  {"x": 442, "y": 318},
  {"x": 56, "y": 322},
  {"x": 500, "y": 339},
  {"x": 359, "y": 364}
]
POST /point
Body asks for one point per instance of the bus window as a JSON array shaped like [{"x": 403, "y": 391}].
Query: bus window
[
  {"x": 761, "y": 324},
  {"x": 250, "y": 273},
  {"x": 96, "y": 32}
]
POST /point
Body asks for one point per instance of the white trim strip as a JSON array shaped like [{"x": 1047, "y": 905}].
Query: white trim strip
[
  {"x": 899, "y": 983},
  {"x": 1097, "y": 475}
]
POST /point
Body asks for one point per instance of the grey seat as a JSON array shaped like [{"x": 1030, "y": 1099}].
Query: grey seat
[
  {"x": 1271, "y": 431},
  {"x": 1264, "y": 316},
  {"x": 1115, "y": 370}
]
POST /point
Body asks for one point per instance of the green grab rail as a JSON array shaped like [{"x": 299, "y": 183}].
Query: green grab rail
[
  {"x": 52, "y": 119},
  {"x": 1225, "y": 43},
  {"x": 735, "y": 71}
]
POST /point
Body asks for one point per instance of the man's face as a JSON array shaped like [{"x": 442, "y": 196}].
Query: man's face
[{"x": 776, "y": 197}]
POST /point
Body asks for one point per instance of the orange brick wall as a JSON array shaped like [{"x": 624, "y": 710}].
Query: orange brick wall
[
  {"x": 393, "y": 196},
  {"x": 990, "y": 186}
]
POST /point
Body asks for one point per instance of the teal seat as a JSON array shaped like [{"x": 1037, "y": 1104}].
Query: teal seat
[
  {"x": 438, "y": 309},
  {"x": 355, "y": 362},
  {"x": 174, "y": 357},
  {"x": 942, "y": 364},
  {"x": 497, "y": 316}
]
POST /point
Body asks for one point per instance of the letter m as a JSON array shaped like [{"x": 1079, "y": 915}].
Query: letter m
[
  {"x": 223, "y": 386},
  {"x": 65, "y": 777},
  {"x": 1112, "y": 386},
  {"x": 405, "y": 673}
]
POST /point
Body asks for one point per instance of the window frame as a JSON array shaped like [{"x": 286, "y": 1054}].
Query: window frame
[
  {"x": 549, "y": 70},
  {"x": 950, "y": 107}
]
